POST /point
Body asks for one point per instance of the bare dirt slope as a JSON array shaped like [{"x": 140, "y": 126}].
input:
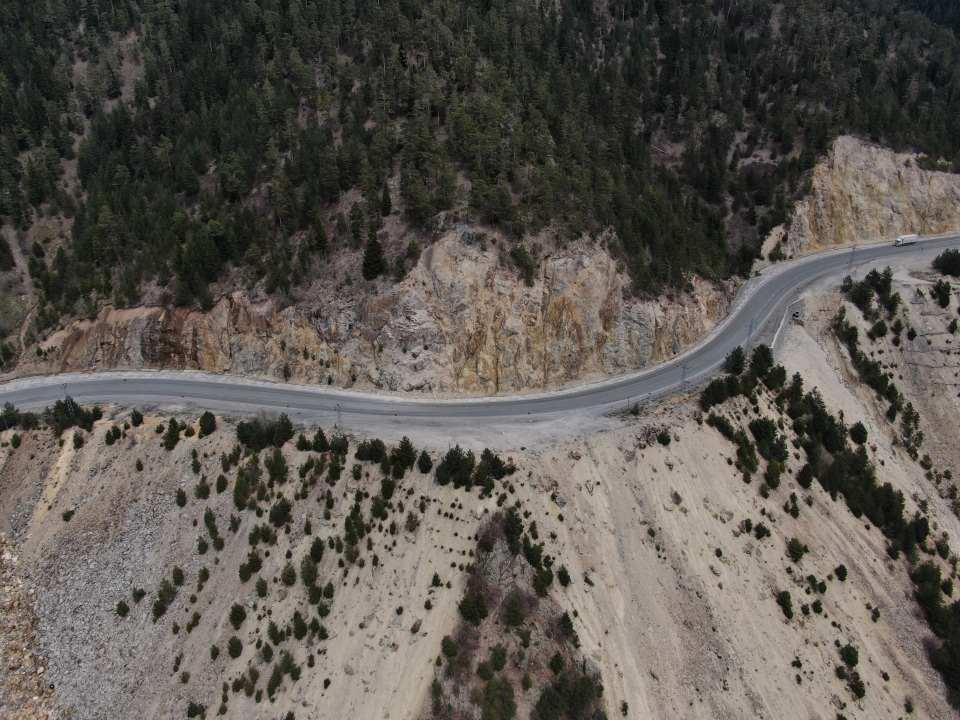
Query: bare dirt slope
[{"x": 672, "y": 600}]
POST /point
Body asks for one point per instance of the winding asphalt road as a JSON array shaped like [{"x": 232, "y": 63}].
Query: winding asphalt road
[{"x": 757, "y": 315}]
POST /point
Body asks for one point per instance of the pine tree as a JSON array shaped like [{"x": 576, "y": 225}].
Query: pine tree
[
  {"x": 373, "y": 261},
  {"x": 386, "y": 207}
]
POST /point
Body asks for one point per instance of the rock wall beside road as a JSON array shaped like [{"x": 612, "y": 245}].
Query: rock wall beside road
[
  {"x": 461, "y": 321},
  {"x": 863, "y": 192}
]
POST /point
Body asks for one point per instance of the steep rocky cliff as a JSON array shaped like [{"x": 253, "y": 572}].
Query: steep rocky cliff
[
  {"x": 461, "y": 321},
  {"x": 862, "y": 192}
]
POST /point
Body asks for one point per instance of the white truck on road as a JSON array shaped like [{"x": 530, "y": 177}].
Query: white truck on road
[{"x": 906, "y": 240}]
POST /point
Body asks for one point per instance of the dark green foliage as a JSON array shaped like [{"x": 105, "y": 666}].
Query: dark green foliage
[
  {"x": 402, "y": 457},
  {"x": 251, "y": 566},
  {"x": 237, "y": 616},
  {"x": 136, "y": 418},
  {"x": 319, "y": 442},
  {"x": 735, "y": 362},
  {"x": 796, "y": 549},
  {"x": 201, "y": 490},
  {"x": 473, "y": 606},
  {"x": 490, "y": 468},
  {"x": 849, "y": 655},
  {"x": 841, "y": 572},
  {"x": 288, "y": 575},
  {"x": 524, "y": 262},
  {"x": 786, "y": 603},
  {"x": 208, "y": 424},
  {"x": 858, "y": 433},
  {"x": 246, "y": 484},
  {"x": 261, "y": 105},
  {"x": 424, "y": 463},
  {"x": 263, "y": 432},
  {"x": 373, "y": 451},
  {"x": 67, "y": 413},
  {"x": 316, "y": 549},
  {"x": 234, "y": 647},
  {"x": 746, "y": 453},
  {"x": 761, "y": 361},
  {"x": 10, "y": 418},
  {"x": 374, "y": 263},
  {"x": 113, "y": 434},
  {"x": 299, "y": 626},
  {"x": 770, "y": 444},
  {"x": 542, "y": 580},
  {"x": 724, "y": 426},
  {"x": 166, "y": 594},
  {"x": 870, "y": 371},
  {"x": 456, "y": 467},
  {"x": 941, "y": 293},
  {"x": 497, "y": 702},
  {"x": 122, "y": 609},
  {"x": 512, "y": 530},
  {"x": 339, "y": 445},
  {"x": 571, "y": 695},
  {"x": 771, "y": 476},
  {"x": 280, "y": 512},
  {"x": 172, "y": 435},
  {"x": 514, "y": 609},
  {"x": 775, "y": 377},
  {"x": 948, "y": 262},
  {"x": 308, "y": 571}
]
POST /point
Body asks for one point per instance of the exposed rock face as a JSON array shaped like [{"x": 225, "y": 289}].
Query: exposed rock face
[
  {"x": 863, "y": 192},
  {"x": 461, "y": 321}
]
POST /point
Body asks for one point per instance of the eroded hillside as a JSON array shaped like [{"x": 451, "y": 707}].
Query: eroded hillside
[{"x": 685, "y": 573}]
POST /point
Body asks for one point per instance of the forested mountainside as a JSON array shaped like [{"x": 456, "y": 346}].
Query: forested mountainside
[{"x": 182, "y": 138}]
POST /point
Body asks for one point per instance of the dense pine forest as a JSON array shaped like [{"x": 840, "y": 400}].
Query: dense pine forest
[{"x": 184, "y": 138}]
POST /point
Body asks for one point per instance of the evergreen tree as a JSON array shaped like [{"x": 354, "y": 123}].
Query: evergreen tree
[
  {"x": 374, "y": 263},
  {"x": 386, "y": 207}
]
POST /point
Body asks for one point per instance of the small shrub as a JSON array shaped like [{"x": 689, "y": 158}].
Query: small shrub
[
  {"x": 786, "y": 603},
  {"x": 237, "y": 616},
  {"x": 849, "y": 655},
  {"x": 858, "y": 433},
  {"x": 796, "y": 550},
  {"x": 234, "y": 647},
  {"x": 122, "y": 609}
]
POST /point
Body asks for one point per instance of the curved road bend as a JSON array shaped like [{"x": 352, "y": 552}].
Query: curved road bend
[{"x": 758, "y": 310}]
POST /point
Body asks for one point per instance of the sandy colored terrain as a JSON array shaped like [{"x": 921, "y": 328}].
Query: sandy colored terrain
[{"x": 676, "y": 627}]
